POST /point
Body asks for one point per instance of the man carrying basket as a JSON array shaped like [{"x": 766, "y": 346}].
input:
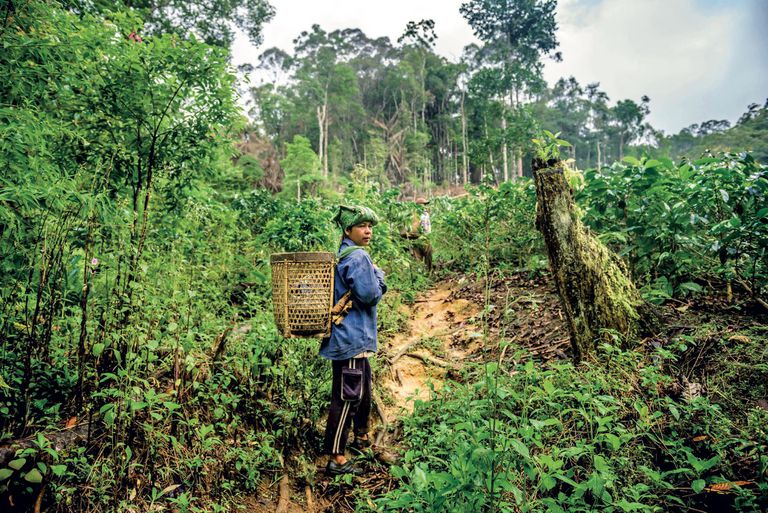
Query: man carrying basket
[{"x": 353, "y": 340}]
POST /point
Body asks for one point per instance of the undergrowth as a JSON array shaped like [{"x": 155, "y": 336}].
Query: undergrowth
[{"x": 609, "y": 435}]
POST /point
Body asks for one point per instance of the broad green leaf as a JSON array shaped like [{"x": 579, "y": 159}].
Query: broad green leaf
[
  {"x": 58, "y": 470},
  {"x": 33, "y": 476},
  {"x": 689, "y": 285},
  {"x": 520, "y": 448},
  {"x": 631, "y": 506},
  {"x": 698, "y": 485},
  {"x": 17, "y": 463}
]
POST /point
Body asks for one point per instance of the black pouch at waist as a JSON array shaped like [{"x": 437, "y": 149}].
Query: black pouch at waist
[{"x": 351, "y": 384}]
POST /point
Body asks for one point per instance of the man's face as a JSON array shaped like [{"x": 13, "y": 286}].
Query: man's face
[{"x": 360, "y": 234}]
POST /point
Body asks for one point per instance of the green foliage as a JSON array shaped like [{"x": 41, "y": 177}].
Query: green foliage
[
  {"x": 681, "y": 225},
  {"x": 118, "y": 254},
  {"x": 570, "y": 439},
  {"x": 547, "y": 146},
  {"x": 302, "y": 168},
  {"x": 134, "y": 291},
  {"x": 490, "y": 225},
  {"x": 719, "y": 136},
  {"x": 212, "y": 21},
  {"x": 304, "y": 226}
]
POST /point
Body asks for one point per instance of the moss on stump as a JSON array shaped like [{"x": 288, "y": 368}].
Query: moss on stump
[{"x": 595, "y": 291}]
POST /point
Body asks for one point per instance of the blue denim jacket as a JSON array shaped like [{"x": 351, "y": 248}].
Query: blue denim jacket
[{"x": 357, "y": 333}]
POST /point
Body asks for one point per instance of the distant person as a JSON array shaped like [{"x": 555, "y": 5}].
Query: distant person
[
  {"x": 425, "y": 222},
  {"x": 353, "y": 340},
  {"x": 420, "y": 230}
]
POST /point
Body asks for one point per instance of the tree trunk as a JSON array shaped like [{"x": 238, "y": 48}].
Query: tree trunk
[
  {"x": 505, "y": 160},
  {"x": 597, "y": 296},
  {"x": 599, "y": 161},
  {"x": 464, "y": 154},
  {"x": 621, "y": 146},
  {"x": 322, "y": 112},
  {"x": 325, "y": 148}
]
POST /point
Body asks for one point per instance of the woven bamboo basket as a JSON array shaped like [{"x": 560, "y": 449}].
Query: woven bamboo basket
[{"x": 302, "y": 293}]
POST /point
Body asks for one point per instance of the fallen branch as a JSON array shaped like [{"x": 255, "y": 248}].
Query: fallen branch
[
  {"x": 410, "y": 345},
  {"x": 432, "y": 360},
  {"x": 749, "y": 291},
  {"x": 59, "y": 440},
  {"x": 407, "y": 347}
]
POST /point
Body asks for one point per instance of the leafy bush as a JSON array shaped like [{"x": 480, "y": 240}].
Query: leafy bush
[
  {"x": 682, "y": 225},
  {"x": 606, "y": 437},
  {"x": 489, "y": 225}
]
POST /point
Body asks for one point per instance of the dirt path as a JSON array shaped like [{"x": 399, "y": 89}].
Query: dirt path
[
  {"x": 433, "y": 345},
  {"x": 437, "y": 339},
  {"x": 442, "y": 335}
]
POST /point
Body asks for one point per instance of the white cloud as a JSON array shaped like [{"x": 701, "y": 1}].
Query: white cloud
[
  {"x": 376, "y": 19},
  {"x": 686, "y": 56}
]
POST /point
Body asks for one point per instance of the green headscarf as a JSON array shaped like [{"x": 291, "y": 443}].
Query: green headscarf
[{"x": 350, "y": 215}]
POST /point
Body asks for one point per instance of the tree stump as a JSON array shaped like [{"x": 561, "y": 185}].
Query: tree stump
[{"x": 595, "y": 290}]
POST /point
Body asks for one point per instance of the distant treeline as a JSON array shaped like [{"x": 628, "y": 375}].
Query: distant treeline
[{"x": 407, "y": 114}]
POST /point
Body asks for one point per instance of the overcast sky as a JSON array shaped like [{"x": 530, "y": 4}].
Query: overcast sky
[{"x": 696, "y": 59}]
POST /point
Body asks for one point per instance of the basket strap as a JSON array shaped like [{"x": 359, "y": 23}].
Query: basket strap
[
  {"x": 340, "y": 310},
  {"x": 346, "y": 252}
]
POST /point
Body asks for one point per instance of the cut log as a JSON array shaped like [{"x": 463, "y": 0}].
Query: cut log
[{"x": 597, "y": 295}]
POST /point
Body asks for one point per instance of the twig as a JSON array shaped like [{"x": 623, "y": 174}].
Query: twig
[{"x": 503, "y": 352}]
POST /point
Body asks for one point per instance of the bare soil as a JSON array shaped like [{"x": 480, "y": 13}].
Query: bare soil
[{"x": 432, "y": 346}]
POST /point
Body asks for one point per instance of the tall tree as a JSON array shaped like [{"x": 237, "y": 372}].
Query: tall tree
[
  {"x": 628, "y": 119},
  {"x": 301, "y": 167},
  {"x": 517, "y": 34}
]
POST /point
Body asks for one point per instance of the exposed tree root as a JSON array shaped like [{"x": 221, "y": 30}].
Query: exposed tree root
[
  {"x": 379, "y": 409},
  {"x": 310, "y": 499},
  {"x": 284, "y": 490},
  {"x": 432, "y": 360}
]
